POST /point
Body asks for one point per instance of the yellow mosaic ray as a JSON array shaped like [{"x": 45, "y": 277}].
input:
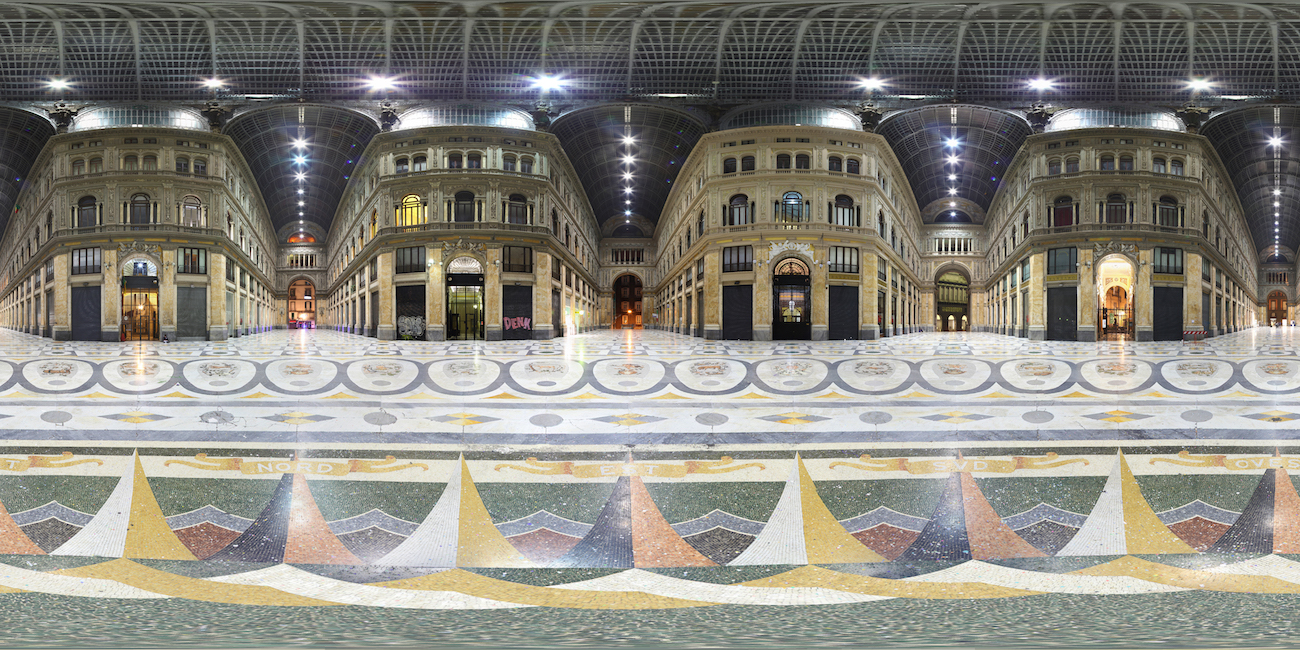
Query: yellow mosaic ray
[
  {"x": 147, "y": 533},
  {"x": 1143, "y": 530},
  {"x": 160, "y": 582},
  {"x": 825, "y": 539},
  {"x": 1134, "y": 567},
  {"x": 479, "y": 542},
  {"x": 811, "y": 576},
  {"x": 473, "y": 584}
]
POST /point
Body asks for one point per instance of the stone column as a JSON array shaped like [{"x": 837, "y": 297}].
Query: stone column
[
  {"x": 1142, "y": 295},
  {"x": 1037, "y": 297},
  {"x": 543, "y": 325},
  {"x": 217, "y": 297},
  {"x": 62, "y": 326},
  {"x": 820, "y": 295},
  {"x": 925, "y": 321},
  {"x": 435, "y": 296},
  {"x": 712, "y": 295},
  {"x": 110, "y": 298},
  {"x": 281, "y": 315},
  {"x": 167, "y": 296},
  {"x": 1192, "y": 293},
  {"x": 762, "y": 300},
  {"x": 868, "y": 330},
  {"x": 492, "y": 329},
  {"x": 1086, "y": 329},
  {"x": 889, "y": 299},
  {"x": 387, "y": 327}
]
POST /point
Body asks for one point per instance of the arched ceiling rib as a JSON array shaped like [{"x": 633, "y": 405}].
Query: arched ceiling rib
[
  {"x": 593, "y": 139},
  {"x": 22, "y": 136},
  {"x": 1242, "y": 139},
  {"x": 955, "y": 147},
  {"x": 335, "y": 139}
]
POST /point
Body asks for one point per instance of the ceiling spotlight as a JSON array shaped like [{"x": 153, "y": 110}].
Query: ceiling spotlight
[
  {"x": 1198, "y": 84},
  {"x": 300, "y": 190},
  {"x": 58, "y": 83},
  {"x": 952, "y": 191},
  {"x": 952, "y": 204},
  {"x": 628, "y": 202},
  {"x": 213, "y": 83},
  {"x": 1277, "y": 204},
  {"x": 872, "y": 83},
  {"x": 952, "y": 142},
  {"x": 547, "y": 83},
  {"x": 1276, "y": 192},
  {"x": 627, "y": 190},
  {"x": 952, "y": 177},
  {"x": 300, "y": 214},
  {"x": 627, "y": 176},
  {"x": 627, "y": 213},
  {"x": 953, "y": 160},
  {"x": 1275, "y": 141},
  {"x": 629, "y": 159},
  {"x": 627, "y": 139},
  {"x": 300, "y": 176},
  {"x": 1040, "y": 84},
  {"x": 300, "y": 160},
  {"x": 302, "y": 203},
  {"x": 377, "y": 83},
  {"x": 299, "y": 144}
]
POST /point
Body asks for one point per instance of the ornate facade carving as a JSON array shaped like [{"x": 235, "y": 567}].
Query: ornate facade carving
[
  {"x": 777, "y": 247},
  {"x": 462, "y": 245}
]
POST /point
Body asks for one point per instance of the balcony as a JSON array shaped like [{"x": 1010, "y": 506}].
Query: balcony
[{"x": 443, "y": 226}]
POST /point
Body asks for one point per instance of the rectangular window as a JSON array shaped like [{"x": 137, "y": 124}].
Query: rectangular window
[
  {"x": 200, "y": 168},
  {"x": 737, "y": 258},
  {"x": 1061, "y": 260},
  {"x": 843, "y": 259},
  {"x": 1024, "y": 271},
  {"x": 85, "y": 260},
  {"x": 744, "y": 142},
  {"x": 1168, "y": 260},
  {"x": 517, "y": 259},
  {"x": 408, "y": 260},
  {"x": 150, "y": 141},
  {"x": 193, "y": 260},
  {"x": 230, "y": 272}
]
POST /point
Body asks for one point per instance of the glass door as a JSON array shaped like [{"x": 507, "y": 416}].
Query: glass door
[
  {"x": 465, "y": 313},
  {"x": 139, "y": 315}
]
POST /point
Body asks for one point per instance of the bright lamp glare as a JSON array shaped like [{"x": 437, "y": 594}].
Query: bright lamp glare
[
  {"x": 952, "y": 142},
  {"x": 952, "y": 177},
  {"x": 629, "y": 159},
  {"x": 299, "y": 160},
  {"x": 547, "y": 83},
  {"x": 213, "y": 82},
  {"x": 1199, "y": 84},
  {"x": 627, "y": 190},
  {"x": 1275, "y": 142},
  {"x": 1040, "y": 84},
  {"x": 299, "y": 144},
  {"x": 953, "y": 160},
  {"x": 627, "y": 139},
  {"x": 872, "y": 83},
  {"x": 58, "y": 84},
  {"x": 376, "y": 82},
  {"x": 952, "y": 191}
]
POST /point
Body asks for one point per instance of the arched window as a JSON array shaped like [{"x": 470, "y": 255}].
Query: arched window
[
  {"x": 835, "y": 164},
  {"x": 791, "y": 209},
  {"x": 1107, "y": 163},
  {"x": 783, "y": 161},
  {"x": 1126, "y": 163},
  {"x": 78, "y": 167},
  {"x": 844, "y": 214},
  {"x": 517, "y": 209},
  {"x": 200, "y": 167},
  {"x": 182, "y": 165},
  {"x": 1158, "y": 165},
  {"x": 1071, "y": 165},
  {"x": 853, "y": 166},
  {"x": 1116, "y": 209},
  {"x": 130, "y": 163},
  {"x": 802, "y": 161},
  {"x": 402, "y": 166},
  {"x": 408, "y": 213},
  {"x": 464, "y": 210},
  {"x": 791, "y": 266},
  {"x": 738, "y": 211},
  {"x": 1054, "y": 166},
  {"x": 1167, "y": 212},
  {"x": 149, "y": 163},
  {"x": 526, "y": 165},
  {"x": 1063, "y": 212},
  {"x": 192, "y": 212},
  {"x": 1176, "y": 167},
  {"x": 454, "y": 161},
  {"x": 86, "y": 212},
  {"x": 49, "y": 224},
  {"x": 747, "y": 163},
  {"x": 729, "y": 166},
  {"x": 374, "y": 223},
  {"x": 419, "y": 163},
  {"x": 508, "y": 163},
  {"x": 139, "y": 209},
  {"x": 473, "y": 161}
]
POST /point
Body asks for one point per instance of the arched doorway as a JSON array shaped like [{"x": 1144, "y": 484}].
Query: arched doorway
[
  {"x": 1115, "y": 313},
  {"x": 952, "y": 302},
  {"x": 1277, "y": 309},
  {"x": 792, "y": 301},
  {"x": 139, "y": 300},
  {"x": 627, "y": 302},
  {"x": 464, "y": 299},
  {"x": 302, "y": 305}
]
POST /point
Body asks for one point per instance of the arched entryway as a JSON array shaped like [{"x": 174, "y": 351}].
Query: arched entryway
[
  {"x": 139, "y": 300},
  {"x": 627, "y": 302},
  {"x": 302, "y": 305},
  {"x": 1277, "y": 309},
  {"x": 464, "y": 299},
  {"x": 952, "y": 302},
  {"x": 792, "y": 300},
  {"x": 1115, "y": 312}
]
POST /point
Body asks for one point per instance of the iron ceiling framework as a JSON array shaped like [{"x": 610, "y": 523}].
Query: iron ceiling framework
[{"x": 719, "y": 53}]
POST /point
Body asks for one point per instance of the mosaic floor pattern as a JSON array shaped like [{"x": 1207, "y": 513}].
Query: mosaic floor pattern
[{"x": 646, "y": 471}]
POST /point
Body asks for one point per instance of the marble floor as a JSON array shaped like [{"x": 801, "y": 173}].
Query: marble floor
[{"x": 643, "y": 470}]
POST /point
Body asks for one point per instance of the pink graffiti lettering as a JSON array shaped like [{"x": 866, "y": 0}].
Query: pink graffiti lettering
[{"x": 519, "y": 322}]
